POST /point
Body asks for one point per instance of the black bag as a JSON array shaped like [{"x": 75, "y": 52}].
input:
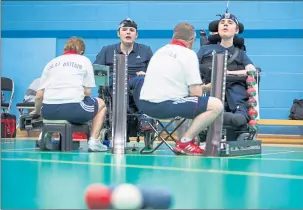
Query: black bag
[
  {"x": 296, "y": 111},
  {"x": 8, "y": 125}
]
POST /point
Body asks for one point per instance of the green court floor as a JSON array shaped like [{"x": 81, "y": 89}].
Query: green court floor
[{"x": 34, "y": 179}]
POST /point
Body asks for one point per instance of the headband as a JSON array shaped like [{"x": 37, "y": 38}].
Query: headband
[
  {"x": 128, "y": 23},
  {"x": 230, "y": 16}
]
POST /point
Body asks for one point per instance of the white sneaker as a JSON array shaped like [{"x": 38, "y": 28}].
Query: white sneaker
[{"x": 96, "y": 146}]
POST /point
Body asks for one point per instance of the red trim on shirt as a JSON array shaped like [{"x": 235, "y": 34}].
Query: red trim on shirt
[
  {"x": 177, "y": 42},
  {"x": 67, "y": 52}
]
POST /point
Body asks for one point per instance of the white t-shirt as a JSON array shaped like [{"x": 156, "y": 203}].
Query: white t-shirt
[
  {"x": 171, "y": 70},
  {"x": 64, "y": 78}
]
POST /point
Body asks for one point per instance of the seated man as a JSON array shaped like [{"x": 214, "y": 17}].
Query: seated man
[
  {"x": 138, "y": 54},
  {"x": 236, "y": 96},
  {"x": 65, "y": 92},
  {"x": 173, "y": 87}
]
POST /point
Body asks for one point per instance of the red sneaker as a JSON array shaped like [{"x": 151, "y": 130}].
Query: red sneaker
[{"x": 188, "y": 148}]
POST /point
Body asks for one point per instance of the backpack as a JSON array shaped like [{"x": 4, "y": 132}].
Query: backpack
[
  {"x": 296, "y": 111},
  {"x": 8, "y": 125}
]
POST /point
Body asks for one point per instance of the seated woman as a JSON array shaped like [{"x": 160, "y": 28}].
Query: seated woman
[
  {"x": 64, "y": 92},
  {"x": 236, "y": 97}
]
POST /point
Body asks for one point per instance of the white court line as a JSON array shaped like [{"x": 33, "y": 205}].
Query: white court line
[{"x": 196, "y": 170}]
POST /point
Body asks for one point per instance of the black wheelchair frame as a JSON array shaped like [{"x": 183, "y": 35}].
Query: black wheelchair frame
[{"x": 134, "y": 129}]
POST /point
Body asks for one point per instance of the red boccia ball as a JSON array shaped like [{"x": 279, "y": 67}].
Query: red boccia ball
[
  {"x": 251, "y": 91},
  {"x": 251, "y": 81},
  {"x": 252, "y": 113},
  {"x": 98, "y": 196},
  {"x": 253, "y": 125},
  {"x": 252, "y": 101}
]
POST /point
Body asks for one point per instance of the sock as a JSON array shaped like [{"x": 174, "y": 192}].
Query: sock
[
  {"x": 92, "y": 139},
  {"x": 184, "y": 139}
]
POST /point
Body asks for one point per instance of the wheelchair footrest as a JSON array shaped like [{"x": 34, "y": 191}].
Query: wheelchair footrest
[{"x": 239, "y": 148}]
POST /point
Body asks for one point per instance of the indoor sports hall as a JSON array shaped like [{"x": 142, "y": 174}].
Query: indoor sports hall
[{"x": 42, "y": 171}]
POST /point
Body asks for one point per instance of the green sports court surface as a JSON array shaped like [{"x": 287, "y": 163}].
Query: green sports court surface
[{"x": 34, "y": 179}]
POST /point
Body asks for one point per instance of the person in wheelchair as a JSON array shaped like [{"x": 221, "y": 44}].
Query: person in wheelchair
[
  {"x": 139, "y": 56},
  {"x": 172, "y": 88},
  {"x": 236, "y": 106},
  {"x": 64, "y": 92}
]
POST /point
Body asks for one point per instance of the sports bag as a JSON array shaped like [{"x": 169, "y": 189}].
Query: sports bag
[
  {"x": 296, "y": 111},
  {"x": 8, "y": 125}
]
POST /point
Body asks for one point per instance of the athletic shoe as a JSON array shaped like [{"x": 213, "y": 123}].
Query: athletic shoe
[
  {"x": 96, "y": 146},
  {"x": 188, "y": 148}
]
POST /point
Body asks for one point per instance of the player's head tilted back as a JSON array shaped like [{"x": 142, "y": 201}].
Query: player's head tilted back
[
  {"x": 127, "y": 31},
  {"x": 186, "y": 33},
  {"x": 228, "y": 26},
  {"x": 75, "y": 45}
]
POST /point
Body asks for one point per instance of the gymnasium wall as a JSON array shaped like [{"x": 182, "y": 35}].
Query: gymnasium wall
[{"x": 34, "y": 32}]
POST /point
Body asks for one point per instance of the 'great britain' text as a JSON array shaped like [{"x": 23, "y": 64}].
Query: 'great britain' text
[{"x": 65, "y": 64}]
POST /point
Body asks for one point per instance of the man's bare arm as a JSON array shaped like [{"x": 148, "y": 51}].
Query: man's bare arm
[
  {"x": 87, "y": 91},
  {"x": 197, "y": 90}
]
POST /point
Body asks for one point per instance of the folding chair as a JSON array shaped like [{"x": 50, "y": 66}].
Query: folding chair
[
  {"x": 159, "y": 131},
  {"x": 7, "y": 84},
  {"x": 28, "y": 106}
]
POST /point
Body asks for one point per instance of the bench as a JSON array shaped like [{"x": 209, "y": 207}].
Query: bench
[
  {"x": 281, "y": 122},
  {"x": 281, "y": 139}
]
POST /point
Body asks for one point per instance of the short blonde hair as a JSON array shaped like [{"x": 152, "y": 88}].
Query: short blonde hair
[
  {"x": 76, "y": 44},
  {"x": 184, "y": 31}
]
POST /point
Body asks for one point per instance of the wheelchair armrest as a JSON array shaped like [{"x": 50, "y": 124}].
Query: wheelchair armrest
[{"x": 235, "y": 78}]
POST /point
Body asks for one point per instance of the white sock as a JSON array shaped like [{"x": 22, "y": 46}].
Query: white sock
[
  {"x": 92, "y": 139},
  {"x": 184, "y": 139}
]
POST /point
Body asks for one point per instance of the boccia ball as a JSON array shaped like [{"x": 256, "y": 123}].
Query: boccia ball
[
  {"x": 126, "y": 196},
  {"x": 250, "y": 81},
  {"x": 251, "y": 91},
  {"x": 252, "y": 102},
  {"x": 252, "y": 113},
  {"x": 157, "y": 198},
  {"x": 251, "y": 72},
  {"x": 253, "y": 125},
  {"x": 97, "y": 196}
]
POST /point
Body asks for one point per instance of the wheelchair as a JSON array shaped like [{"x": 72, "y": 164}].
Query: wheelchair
[
  {"x": 215, "y": 38},
  {"x": 231, "y": 133},
  {"x": 137, "y": 125}
]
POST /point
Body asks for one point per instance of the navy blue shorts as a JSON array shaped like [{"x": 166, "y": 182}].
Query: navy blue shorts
[
  {"x": 77, "y": 113},
  {"x": 188, "y": 107}
]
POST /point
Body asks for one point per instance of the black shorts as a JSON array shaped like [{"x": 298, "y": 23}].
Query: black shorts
[
  {"x": 77, "y": 113},
  {"x": 188, "y": 107}
]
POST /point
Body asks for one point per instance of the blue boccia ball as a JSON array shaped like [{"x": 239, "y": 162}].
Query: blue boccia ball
[{"x": 156, "y": 198}]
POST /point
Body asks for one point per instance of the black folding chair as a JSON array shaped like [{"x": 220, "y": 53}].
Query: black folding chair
[
  {"x": 158, "y": 133},
  {"x": 7, "y": 84}
]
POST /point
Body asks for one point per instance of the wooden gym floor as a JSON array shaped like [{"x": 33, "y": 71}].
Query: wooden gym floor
[{"x": 34, "y": 179}]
